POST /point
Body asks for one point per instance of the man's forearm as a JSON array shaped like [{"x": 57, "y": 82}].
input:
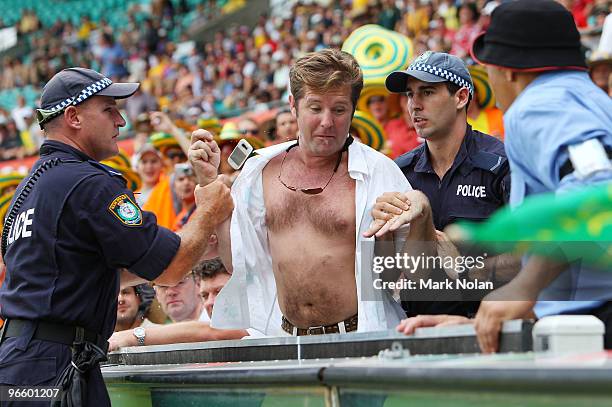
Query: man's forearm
[
  {"x": 180, "y": 332},
  {"x": 499, "y": 269}
]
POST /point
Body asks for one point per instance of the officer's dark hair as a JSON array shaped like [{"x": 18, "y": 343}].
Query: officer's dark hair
[
  {"x": 453, "y": 89},
  {"x": 209, "y": 268}
]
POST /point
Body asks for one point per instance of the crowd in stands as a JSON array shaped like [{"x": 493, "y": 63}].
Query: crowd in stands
[{"x": 244, "y": 70}]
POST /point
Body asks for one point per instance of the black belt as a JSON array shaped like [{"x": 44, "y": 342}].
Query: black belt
[
  {"x": 350, "y": 325},
  {"x": 568, "y": 168},
  {"x": 52, "y": 332}
]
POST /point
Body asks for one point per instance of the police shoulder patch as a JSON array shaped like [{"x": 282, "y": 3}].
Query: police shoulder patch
[{"x": 126, "y": 210}]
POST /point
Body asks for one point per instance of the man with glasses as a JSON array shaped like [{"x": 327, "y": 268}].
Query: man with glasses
[
  {"x": 248, "y": 127},
  {"x": 300, "y": 263}
]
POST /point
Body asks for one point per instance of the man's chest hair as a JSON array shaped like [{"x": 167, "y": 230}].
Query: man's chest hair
[{"x": 331, "y": 212}]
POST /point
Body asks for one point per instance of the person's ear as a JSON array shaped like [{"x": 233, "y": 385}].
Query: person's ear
[
  {"x": 292, "y": 105},
  {"x": 71, "y": 117},
  {"x": 509, "y": 75},
  {"x": 463, "y": 97}
]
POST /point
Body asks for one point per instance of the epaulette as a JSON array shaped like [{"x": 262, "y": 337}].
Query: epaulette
[
  {"x": 489, "y": 161},
  {"x": 110, "y": 170}
]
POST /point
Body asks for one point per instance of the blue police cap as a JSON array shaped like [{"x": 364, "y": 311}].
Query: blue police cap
[
  {"x": 72, "y": 86},
  {"x": 432, "y": 67}
]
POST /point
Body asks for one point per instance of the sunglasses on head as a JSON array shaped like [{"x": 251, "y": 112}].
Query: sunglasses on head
[{"x": 183, "y": 169}]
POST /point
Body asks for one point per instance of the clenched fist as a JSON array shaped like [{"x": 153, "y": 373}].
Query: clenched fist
[{"x": 204, "y": 156}]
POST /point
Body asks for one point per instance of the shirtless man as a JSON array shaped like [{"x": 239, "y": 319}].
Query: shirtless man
[{"x": 298, "y": 255}]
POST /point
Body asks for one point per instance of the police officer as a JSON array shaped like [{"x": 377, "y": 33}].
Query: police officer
[
  {"x": 464, "y": 173},
  {"x": 72, "y": 225}
]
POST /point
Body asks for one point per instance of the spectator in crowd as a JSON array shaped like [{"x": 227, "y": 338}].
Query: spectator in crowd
[
  {"x": 11, "y": 146},
  {"x": 182, "y": 301},
  {"x": 248, "y": 127},
  {"x": 112, "y": 57},
  {"x": 377, "y": 105},
  {"x": 468, "y": 30},
  {"x": 142, "y": 103},
  {"x": 184, "y": 182},
  {"x": 149, "y": 166},
  {"x": 286, "y": 127},
  {"x": 130, "y": 313},
  {"x": 552, "y": 113},
  {"x": 213, "y": 277},
  {"x": 304, "y": 190},
  {"x": 600, "y": 69},
  {"x": 21, "y": 114},
  {"x": 401, "y": 135}
]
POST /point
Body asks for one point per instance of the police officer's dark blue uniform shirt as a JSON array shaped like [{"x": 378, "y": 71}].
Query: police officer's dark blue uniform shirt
[
  {"x": 75, "y": 229},
  {"x": 476, "y": 185}
]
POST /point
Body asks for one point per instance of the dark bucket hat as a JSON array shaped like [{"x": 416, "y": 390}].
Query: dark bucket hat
[
  {"x": 72, "y": 86},
  {"x": 530, "y": 35}
]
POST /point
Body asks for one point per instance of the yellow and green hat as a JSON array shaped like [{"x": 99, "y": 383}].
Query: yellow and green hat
[
  {"x": 133, "y": 179},
  {"x": 212, "y": 124},
  {"x": 120, "y": 159},
  {"x": 5, "y": 202},
  {"x": 163, "y": 141},
  {"x": 369, "y": 130},
  {"x": 10, "y": 179},
  {"x": 379, "y": 52},
  {"x": 480, "y": 78}
]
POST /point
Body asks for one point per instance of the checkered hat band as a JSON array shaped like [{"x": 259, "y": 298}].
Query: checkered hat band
[
  {"x": 443, "y": 73},
  {"x": 83, "y": 95}
]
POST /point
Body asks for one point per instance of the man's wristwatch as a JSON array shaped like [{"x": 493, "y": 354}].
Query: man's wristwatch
[{"x": 139, "y": 333}]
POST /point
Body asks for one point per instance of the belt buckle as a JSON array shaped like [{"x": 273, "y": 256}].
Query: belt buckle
[{"x": 315, "y": 330}]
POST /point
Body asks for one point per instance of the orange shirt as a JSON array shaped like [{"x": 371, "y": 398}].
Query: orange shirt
[{"x": 160, "y": 203}]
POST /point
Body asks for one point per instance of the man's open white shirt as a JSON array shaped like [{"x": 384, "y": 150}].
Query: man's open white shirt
[{"x": 249, "y": 299}]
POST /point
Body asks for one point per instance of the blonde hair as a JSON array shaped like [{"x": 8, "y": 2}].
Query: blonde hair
[{"x": 324, "y": 70}]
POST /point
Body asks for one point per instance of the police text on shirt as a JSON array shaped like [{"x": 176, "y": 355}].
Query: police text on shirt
[
  {"x": 477, "y": 191},
  {"x": 20, "y": 227}
]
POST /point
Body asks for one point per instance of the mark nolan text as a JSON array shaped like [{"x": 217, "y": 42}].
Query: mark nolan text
[{"x": 429, "y": 284}]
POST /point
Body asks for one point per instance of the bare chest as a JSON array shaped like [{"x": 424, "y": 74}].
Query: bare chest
[{"x": 331, "y": 213}]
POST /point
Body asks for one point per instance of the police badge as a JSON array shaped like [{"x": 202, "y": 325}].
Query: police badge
[{"x": 126, "y": 210}]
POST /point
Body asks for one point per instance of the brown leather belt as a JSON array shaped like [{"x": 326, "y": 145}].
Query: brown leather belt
[{"x": 348, "y": 325}]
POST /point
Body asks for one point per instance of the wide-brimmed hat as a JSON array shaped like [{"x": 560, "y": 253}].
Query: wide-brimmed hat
[
  {"x": 369, "y": 130},
  {"x": 162, "y": 141},
  {"x": 12, "y": 179},
  {"x": 484, "y": 92},
  {"x": 379, "y": 52},
  {"x": 121, "y": 163},
  {"x": 210, "y": 123},
  {"x": 532, "y": 36}
]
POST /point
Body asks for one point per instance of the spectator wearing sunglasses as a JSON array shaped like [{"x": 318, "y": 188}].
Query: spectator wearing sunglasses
[
  {"x": 184, "y": 183},
  {"x": 300, "y": 263}
]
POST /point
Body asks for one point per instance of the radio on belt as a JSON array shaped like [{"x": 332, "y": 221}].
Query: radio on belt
[{"x": 568, "y": 334}]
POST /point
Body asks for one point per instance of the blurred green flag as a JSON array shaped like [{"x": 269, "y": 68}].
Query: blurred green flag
[{"x": 574, "y": 226}]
